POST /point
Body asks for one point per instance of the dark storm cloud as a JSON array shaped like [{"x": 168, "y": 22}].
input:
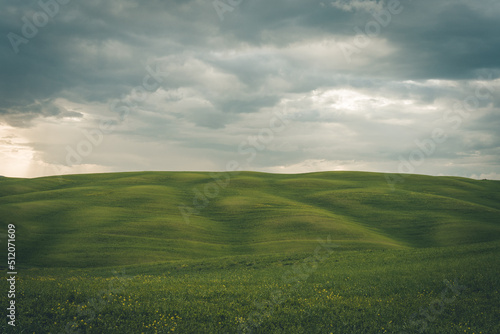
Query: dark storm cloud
[
  {"x": 96, "y": 48},
  {"x": 446, "y": 39},
  {"x": 99, "y": 48}
]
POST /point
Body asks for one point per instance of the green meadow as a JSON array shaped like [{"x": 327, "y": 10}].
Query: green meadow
[{"x": 195, "y": 252}]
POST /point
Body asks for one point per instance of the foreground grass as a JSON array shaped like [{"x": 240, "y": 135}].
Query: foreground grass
[{"x": 342, "y": 292}]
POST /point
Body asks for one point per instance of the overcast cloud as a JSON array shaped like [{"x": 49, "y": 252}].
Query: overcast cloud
[{"x": 277, "y": 86}]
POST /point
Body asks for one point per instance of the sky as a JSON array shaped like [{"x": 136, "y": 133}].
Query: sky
[{"x": 273, "y": 86}]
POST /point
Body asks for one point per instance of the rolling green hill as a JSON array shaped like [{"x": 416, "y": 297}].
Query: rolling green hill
[
  {"x": 97, "y": 220},
  {"x": 166, "y": 252}
]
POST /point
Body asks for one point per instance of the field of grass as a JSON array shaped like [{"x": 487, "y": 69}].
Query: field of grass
[{"x": 333, "y": 252}]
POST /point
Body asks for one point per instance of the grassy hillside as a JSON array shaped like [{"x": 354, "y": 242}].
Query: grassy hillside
[
  {"x": 134, "y": 218},
  {"x": 113, "y": 253}
]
